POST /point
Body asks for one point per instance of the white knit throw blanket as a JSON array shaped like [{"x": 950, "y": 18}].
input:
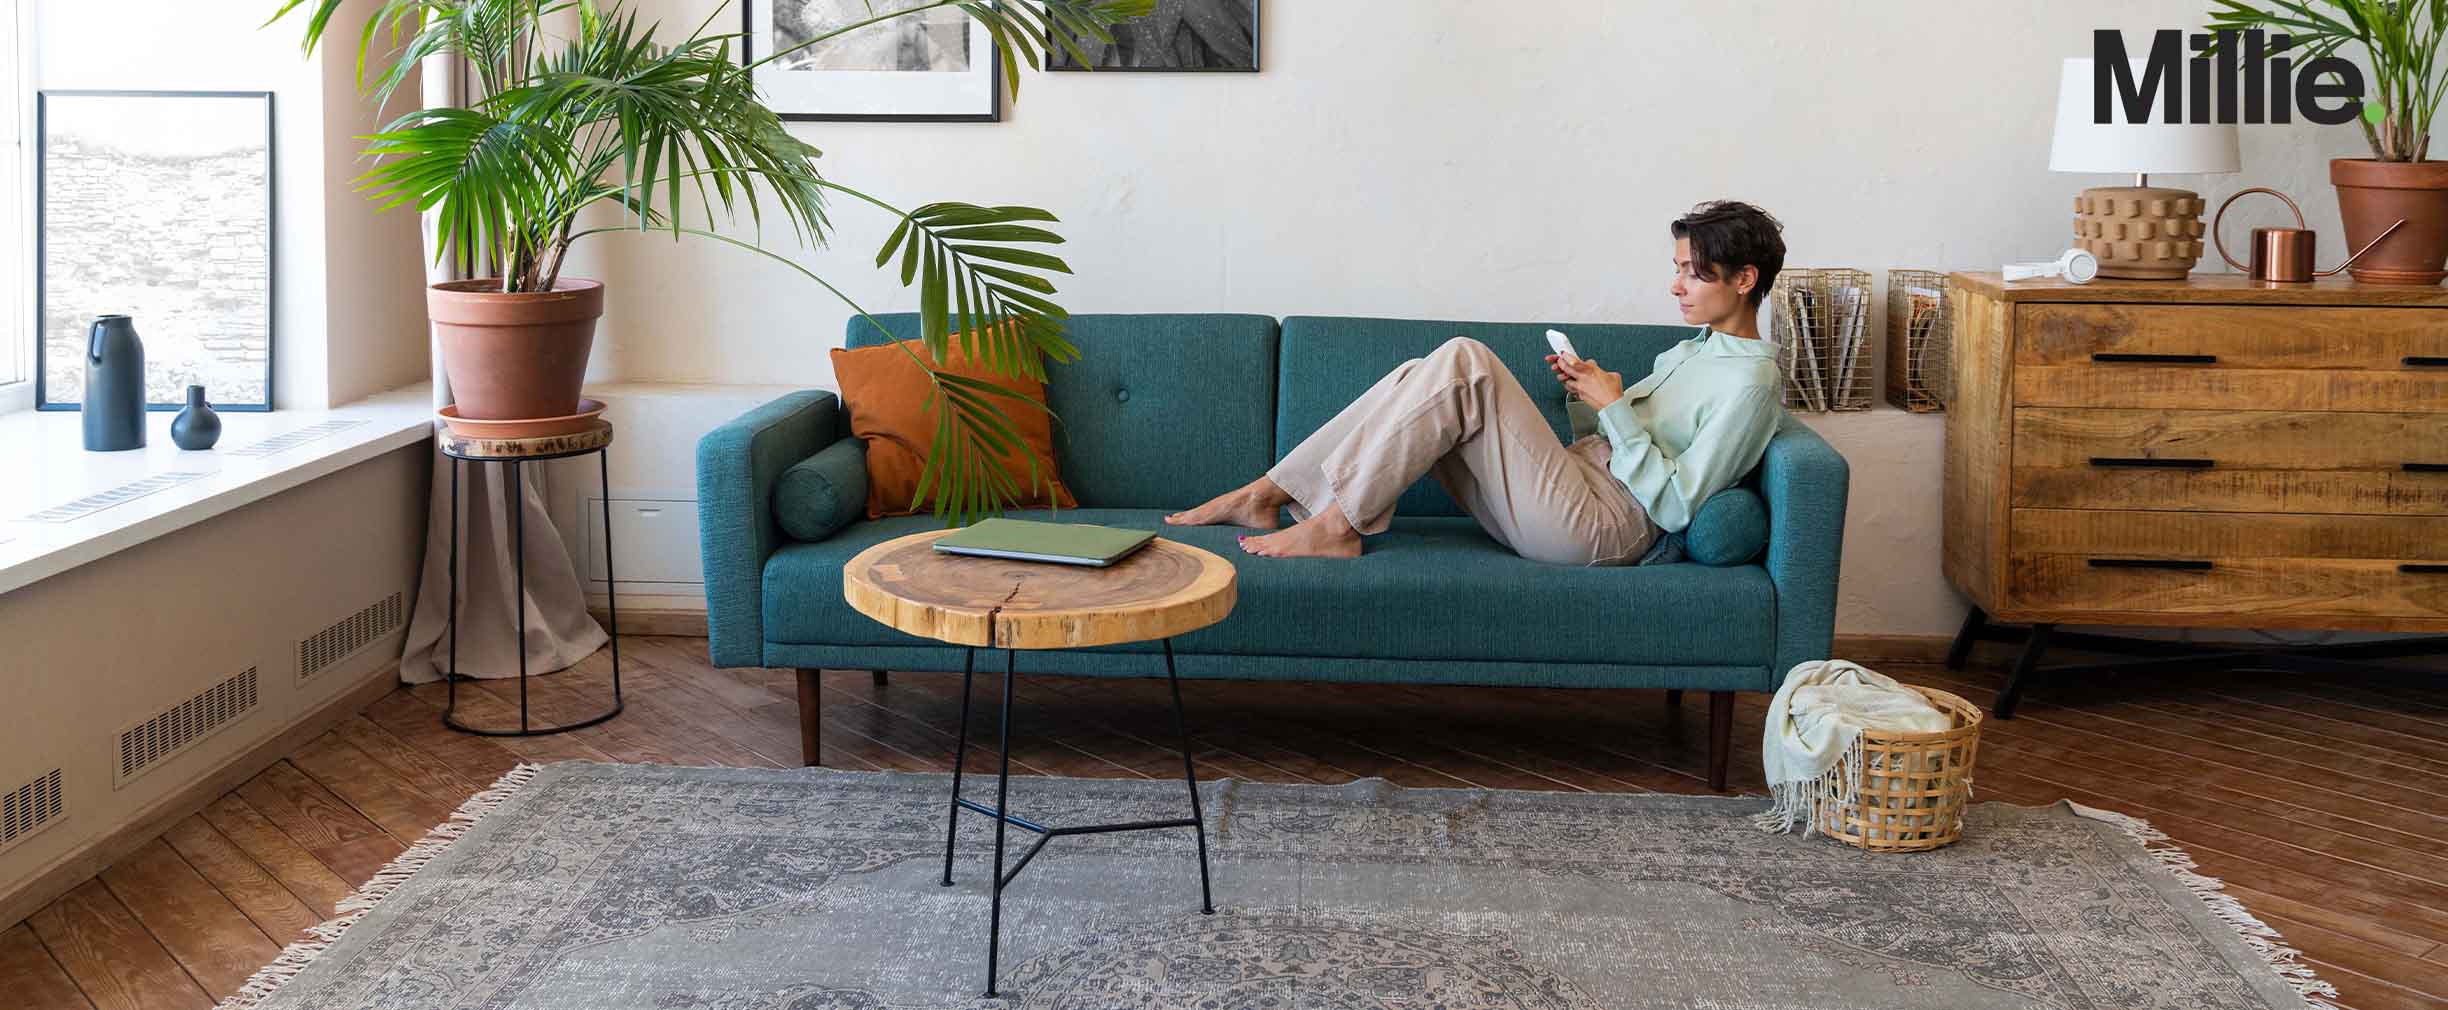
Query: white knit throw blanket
[{"x": 1812, "y": 746}]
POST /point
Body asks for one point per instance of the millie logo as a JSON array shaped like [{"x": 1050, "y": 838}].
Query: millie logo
[{"x": 2208, "y": 90}]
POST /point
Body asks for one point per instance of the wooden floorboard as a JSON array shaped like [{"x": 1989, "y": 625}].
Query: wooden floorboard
[
  {"x": 2322, "y": 800},
  {"x": 217, "y": 944},
  {"x": 32, "y": 978}
]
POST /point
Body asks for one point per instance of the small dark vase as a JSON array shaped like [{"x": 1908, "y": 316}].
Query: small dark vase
[
  {"x": 196, "y": 426},
  {"x": 114, "y": 386}
]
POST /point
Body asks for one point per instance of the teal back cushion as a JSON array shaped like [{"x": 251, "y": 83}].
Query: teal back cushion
[
  {"x": 1731, "y": 528},
  {"x": 1329, "y": 361},
  {"x": 1158, "y": 411}
]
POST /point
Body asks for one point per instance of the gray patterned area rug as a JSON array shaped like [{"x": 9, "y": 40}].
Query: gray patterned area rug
[{"x": 610, "y": 887}]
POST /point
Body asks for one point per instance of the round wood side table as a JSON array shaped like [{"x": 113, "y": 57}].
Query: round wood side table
[
  {"x": 1165, "y": 589},
  {"x": 517, "y": 452}
]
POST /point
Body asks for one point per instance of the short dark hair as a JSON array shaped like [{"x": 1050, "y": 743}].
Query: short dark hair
[{"x": 1728, "y": 235}]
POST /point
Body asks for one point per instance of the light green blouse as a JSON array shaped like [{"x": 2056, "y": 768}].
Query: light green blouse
[{"x": 1699, "y": 422}]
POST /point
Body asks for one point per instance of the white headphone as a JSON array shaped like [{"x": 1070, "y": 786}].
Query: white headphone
[{"x": 2076, "y": 266}]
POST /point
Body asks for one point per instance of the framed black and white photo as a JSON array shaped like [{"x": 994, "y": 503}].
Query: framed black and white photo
[
  {"x": 931, "y": 66},
  {"x": 156, "y": 205},
  {"x": 1182, "y": 36}
]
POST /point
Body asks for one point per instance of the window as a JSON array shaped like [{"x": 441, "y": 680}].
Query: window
[{"x": 16, "y": 208}]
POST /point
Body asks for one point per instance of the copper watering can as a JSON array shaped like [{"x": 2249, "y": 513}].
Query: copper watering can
[{"x": 2284, "y": 255}]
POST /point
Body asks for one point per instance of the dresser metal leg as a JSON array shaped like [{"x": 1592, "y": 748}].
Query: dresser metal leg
[
  {"x": 880, "y": 677},
  {"x": 1964, "y": 638},
  {"x": 2023, "y": 670}
]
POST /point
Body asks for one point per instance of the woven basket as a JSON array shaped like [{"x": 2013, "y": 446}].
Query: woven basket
[{"x": 1913, "y": 785}]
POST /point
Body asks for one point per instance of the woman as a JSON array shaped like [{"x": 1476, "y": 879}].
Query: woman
[{"x": 1694, "y": 426}]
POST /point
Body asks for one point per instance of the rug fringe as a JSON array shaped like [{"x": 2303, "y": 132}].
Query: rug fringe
[
  {"x": 295, "y": 957},
  {"x": 2258, "y": 935}
]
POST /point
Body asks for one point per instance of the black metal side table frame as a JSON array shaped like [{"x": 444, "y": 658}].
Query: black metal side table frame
[
  {"x": 2168, "y": 655},
  {"x": 1197, "y": 820},
  {"x": 518, "y": 523}
]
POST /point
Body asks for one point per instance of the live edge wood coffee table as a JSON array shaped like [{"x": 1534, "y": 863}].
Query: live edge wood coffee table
[{"x": 1165, "y": 589}]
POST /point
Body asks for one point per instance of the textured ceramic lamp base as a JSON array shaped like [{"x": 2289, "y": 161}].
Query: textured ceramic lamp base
[{"x": 2140, "y": 232}]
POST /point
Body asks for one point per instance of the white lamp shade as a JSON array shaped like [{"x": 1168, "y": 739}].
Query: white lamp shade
[{"x": 2149, "y": 147}]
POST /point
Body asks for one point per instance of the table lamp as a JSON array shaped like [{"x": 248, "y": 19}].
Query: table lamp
[{"x": 2139, "y": 232}]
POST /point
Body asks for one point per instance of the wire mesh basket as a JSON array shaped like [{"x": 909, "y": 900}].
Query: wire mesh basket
[
  {"x": 1821, "y": 325},
  {"x": 1920, "y": 340}
]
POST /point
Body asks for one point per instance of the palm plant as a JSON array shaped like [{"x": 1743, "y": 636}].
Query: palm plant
[
  {"x": 611, "y": 116},
  {"x": 2402, "y": 40}
]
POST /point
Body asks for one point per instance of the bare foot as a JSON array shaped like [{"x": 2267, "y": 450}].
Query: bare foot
[
  {"x": 1325, "y": 535},
  {"x": 1253, "y": 505}
]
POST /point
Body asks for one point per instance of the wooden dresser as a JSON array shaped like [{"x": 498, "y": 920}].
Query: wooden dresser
[{"x": 2204, "y": 453}]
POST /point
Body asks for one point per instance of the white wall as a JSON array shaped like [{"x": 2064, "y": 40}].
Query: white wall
[
  {"x": 1475, "y": 160},
  {"x": 346, "y": 294}
]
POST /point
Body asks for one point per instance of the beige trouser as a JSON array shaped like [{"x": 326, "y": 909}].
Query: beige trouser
[{"x": 1461, "y": 416}]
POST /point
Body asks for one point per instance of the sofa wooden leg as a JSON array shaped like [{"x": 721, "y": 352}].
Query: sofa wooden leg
[
  {"x": 811, "y": 684},
  {"x": 880, "y": 677},
  {"x": 1721, "y": 737},
  {"x": 1674, "y": 697}
]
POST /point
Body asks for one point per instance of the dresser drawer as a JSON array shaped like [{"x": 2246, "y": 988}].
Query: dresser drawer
[
  {"x": 2233, "y": 565},
  {"x": 2231, "y": 461},
  {"x": 2231, "y": 357}
]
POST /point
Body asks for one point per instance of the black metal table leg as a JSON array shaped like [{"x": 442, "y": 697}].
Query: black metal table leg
[
  {"x": 603, "y": 469},
  {"x": 960, "y": 753},
  {"x": 2024, "y": 665},
  {"x": 451, "y": 676},
  {"x": 518, "y": 597},
  {"x": 1190, "y": 775},
  {"x": 1002, "y": 817},
  {"x": 1965, "y": 637},
  {"x": 994, "y": 926}
]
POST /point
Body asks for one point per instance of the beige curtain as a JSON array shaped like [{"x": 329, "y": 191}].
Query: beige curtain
[{"x": 559, "y": 630}]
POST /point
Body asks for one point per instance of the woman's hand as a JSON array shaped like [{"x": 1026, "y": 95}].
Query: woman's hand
[{"x": 1587, "y": 382}]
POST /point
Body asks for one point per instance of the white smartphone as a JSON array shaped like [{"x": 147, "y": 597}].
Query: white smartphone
[{"x": 1564, "y": 347}]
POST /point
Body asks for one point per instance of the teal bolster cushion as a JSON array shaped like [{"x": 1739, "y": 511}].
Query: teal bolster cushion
[
  {"x": 823, "y": 492},
  {"x": 1731, "y": 528}
]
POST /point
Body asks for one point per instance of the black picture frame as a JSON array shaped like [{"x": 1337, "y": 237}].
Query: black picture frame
[
  {"x": 994, "y": 88},
  {"x": 42, "y": 242},
  {"x": 1058, "y": 60}
]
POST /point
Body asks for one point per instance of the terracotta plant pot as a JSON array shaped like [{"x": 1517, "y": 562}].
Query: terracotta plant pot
[
  {"x": 2373, "y": 195},
  {"x": 515, "y": 356}
]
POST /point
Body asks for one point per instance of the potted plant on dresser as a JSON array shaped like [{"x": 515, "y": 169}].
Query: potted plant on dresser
[
  {"x": 2401, "y": 42},
  {"x": 564, "y": 118}
]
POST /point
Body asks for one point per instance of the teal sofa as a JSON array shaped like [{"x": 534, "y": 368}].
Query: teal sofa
[{"x": 1164, "y": 411}]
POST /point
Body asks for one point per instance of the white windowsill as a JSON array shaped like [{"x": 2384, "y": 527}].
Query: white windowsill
[{"x": 43, "y": 464}]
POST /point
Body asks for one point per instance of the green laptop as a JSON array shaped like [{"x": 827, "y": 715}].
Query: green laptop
[{"x": 1058, "y": 543}]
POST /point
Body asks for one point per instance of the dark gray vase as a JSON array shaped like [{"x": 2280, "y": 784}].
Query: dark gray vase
[
  {"x": 196, "y": 426},
  {"x": 114, "y": 386}
]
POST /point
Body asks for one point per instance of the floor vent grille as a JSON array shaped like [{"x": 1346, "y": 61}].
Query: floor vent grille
[
  {"x": 148, "y": 743},
  {"x": 120, "y": 495},
  {"x": 356, "y": 631},
  {"x": 29, "y": 808},
  {"x": 291, "y": 440}
]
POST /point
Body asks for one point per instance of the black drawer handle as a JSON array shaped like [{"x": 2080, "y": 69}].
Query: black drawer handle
[
  {"x": 2145, "y": 461},
  {"x": 2159, "y": 359},
  {"x": 2426, "y": 467},
  {"x": 2424, "y": 569},
  {"x": 2178, "y": 564},
  {"x": 2426, "y": 361}
]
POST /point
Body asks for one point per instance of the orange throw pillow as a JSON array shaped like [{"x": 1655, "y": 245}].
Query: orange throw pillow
[{"x": 885, "y": 389}]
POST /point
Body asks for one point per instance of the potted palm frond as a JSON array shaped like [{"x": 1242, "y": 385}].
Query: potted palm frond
[
  {"x": 2401, "y": 40},
  {"x": 564, "y": 121}
]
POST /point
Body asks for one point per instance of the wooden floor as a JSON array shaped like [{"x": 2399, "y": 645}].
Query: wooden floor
[{"x": 2322, "y": 802}]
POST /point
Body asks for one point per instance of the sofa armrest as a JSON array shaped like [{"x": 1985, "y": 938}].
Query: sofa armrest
[
  {"x": 737, "y": 465},
  {"x": 1805, "y": 482}
]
